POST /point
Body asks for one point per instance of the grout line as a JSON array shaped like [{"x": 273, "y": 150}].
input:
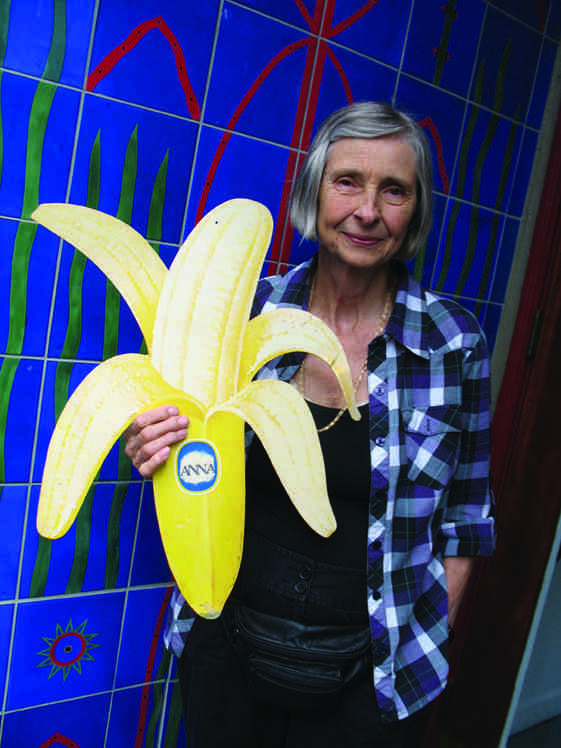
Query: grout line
[
  {"x": 83, "y": 697},
  {"x": 194, "y": 160},
  {"x": 402, "y": 57},
  {"x": 283, "y": 22},
  {"x": 127, "y": 589}
]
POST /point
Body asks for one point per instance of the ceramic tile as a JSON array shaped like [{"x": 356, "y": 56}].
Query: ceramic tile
[
  {"x": 237, "y": 171},
  {"x": 301, "y": 249},
  {"x": 299, "y": 13},
  {"x": 12, "y": 511},
  {"x": 6, "y": 616},
  {"x": 533, "y": 13},
  {"x": 76, "y": 723},
  {"x": 488, "y": 156},
  {"x": 257, "y": 75},
  {"x": 505, "y": 255},
  {"x": 135, "y": 718},
  {"x": 64, "y": 648},
  {"x": 554, "y": 21},
  {"x": 149, "y": 565},
  {"x": 507, "y": 85},
  {"x": 490, "y": 323},
  {"x": 148, "y": 189},
  {"x": 21, "y": 378},
  {"x": 84, "y": 299},
  {"x": 359, "y": 79},
  {"x": 24, "y": 307},
  {"x": 466, "y": 256},
  {"x": 440, "y": 114},
  {"x": 379, "y": 33},
  {"x": 174, "y": 727},
  {"x": 442, "y": 42},
  {"x": 142, "y": 658},
  {"x": 523, "y": 172},
  {"x": 541, "y": 85},
  {"x": 154, "y": 52},
  {"x": 38, "y": 123},
  {"x": 156, "y": 144},
  {"x": 94, "y": 554},
  {"x": 34, "y": 31},
  {"x": 422, "y": 266}
]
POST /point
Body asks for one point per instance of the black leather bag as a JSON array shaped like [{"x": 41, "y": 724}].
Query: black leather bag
[{"x": 295, "y": 656}]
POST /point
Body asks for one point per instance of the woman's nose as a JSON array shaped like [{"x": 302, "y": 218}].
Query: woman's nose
[{"x": 367, "y": 209}]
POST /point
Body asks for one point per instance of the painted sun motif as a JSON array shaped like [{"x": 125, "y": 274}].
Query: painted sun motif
[{"x": 66, "y": 650}]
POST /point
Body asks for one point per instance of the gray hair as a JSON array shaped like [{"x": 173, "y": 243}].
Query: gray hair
[{"x": 366, "y": 119}]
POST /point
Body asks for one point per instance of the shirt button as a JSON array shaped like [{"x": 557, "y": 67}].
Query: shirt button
[
  {"x": 376, "y": 545},
  {"x": 300, "y": 587},
  {"x": 380, "y": 390},
  {"x": 380, "y": 441},
  {"x": 376, "y": 594},
  {"x": 305, "y": 572}
]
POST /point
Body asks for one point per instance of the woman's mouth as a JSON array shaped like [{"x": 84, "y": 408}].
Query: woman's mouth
[{"x": 363, "y": 241}]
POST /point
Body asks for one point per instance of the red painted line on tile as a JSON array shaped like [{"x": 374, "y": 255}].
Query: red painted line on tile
[
  {"x": 344, "y": 25},
  {"x": 282, "y": 225},
  {"x": 318, "y": 11},
  {"x": 427, "y": 122},
  {"x": 117, "y": 54},
  {"x": 224, "y": 140},
  {"x": 304, "y": 13},
  {"x": 302, "y": 133},
  {"x": 61, "y": 740},
  {"x": 141, "y": 727},
  {"x": 342, "y": 75}
]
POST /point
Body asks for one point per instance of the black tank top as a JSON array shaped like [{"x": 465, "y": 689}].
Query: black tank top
[{"x": 271, "y": 514}]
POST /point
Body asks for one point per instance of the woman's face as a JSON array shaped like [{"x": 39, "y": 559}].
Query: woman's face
[{"x": 367, "y": 198}]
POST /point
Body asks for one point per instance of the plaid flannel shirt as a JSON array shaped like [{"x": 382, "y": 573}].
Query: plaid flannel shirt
[{"x": 428, "y": 381}]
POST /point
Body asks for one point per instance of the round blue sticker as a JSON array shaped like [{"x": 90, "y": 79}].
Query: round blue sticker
[{"x": 197, "y": 466}]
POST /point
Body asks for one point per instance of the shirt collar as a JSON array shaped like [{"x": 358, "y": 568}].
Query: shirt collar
[{"x": 408, "y": 323}]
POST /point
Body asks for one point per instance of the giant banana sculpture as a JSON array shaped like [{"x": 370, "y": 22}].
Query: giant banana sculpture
[{"x": 203, "y": 353}]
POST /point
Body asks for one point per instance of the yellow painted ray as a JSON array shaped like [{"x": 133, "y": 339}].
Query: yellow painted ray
[{"x": 203, "y": 352}]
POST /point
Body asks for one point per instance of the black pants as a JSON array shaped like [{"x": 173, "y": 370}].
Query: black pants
[{"x": 224, "y": 707}]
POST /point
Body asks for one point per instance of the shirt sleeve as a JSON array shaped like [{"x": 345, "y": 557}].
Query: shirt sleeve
[{"x": 468, "y": 527}]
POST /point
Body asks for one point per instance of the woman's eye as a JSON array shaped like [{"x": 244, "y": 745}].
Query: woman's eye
[
  {"x": 345, "y": 183},
  {"x": 394, "y": 195}
]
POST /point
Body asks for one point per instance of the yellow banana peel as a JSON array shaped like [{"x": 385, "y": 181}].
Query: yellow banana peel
[{"x": 203, "y": 354}]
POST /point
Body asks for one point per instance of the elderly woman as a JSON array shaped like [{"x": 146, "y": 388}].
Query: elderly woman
[{"x": 343, "y": 641}]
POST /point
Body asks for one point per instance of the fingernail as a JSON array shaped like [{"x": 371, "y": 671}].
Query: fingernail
[{"x": 182, "y": 421}]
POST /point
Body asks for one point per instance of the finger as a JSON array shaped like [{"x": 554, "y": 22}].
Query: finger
[
  {"x": 152, "y": 416},
  {"x": 148, "y": 468},
  {"x": 158, "y": 430},
  {"x": 152, "y": 447},
  {"x": 137, "y": 435}
]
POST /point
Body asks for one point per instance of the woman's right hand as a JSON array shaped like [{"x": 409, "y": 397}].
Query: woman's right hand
[{"x": 150, "y": 436}]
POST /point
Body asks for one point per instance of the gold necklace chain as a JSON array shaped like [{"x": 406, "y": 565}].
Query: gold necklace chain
[{"x": 300, "y": 378}]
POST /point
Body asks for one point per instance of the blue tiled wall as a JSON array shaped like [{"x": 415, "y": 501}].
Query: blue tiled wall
[{"x": 156, "y": 111}]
